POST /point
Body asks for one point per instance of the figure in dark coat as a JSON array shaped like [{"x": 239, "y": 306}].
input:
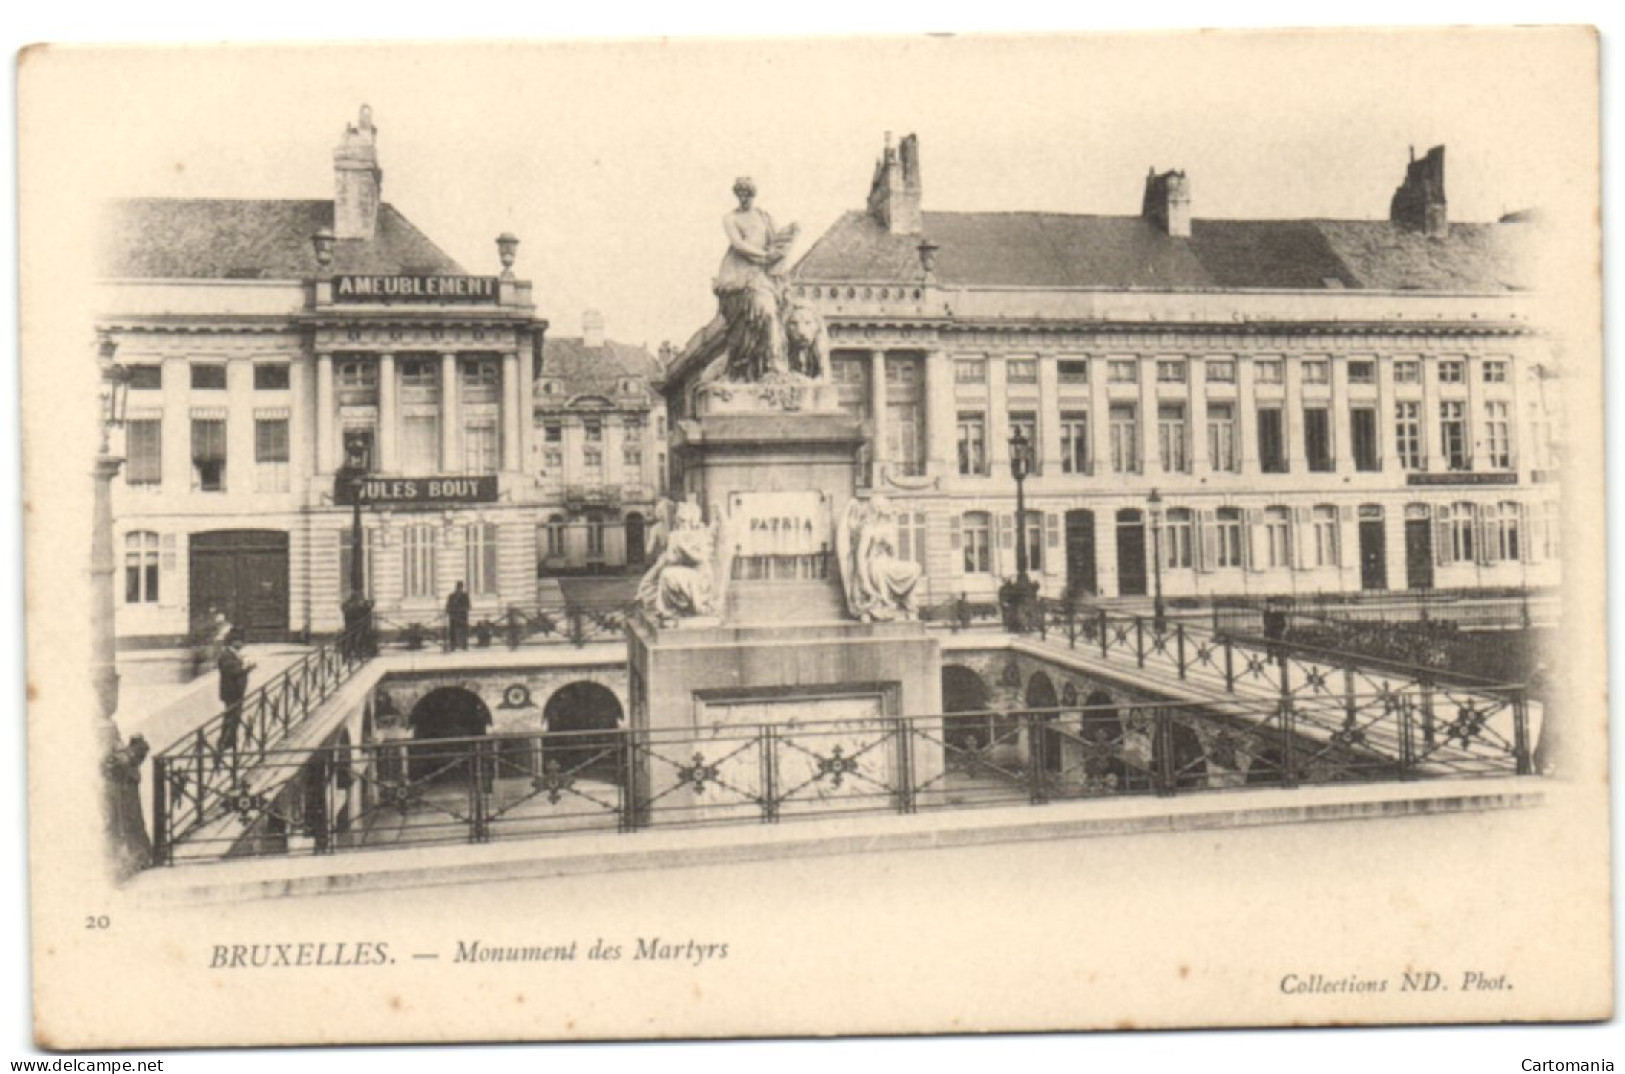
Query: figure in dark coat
[
  {"x": 233, "y": 687},
  {"x": 457, "y": 606}
]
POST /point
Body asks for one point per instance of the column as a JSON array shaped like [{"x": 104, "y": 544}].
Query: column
[
  {"x": 1100, "y": 450},
  {"x": 177, "y": 431},
  {"x": 1432, "y": 444},
  {"x": 570, "y": 446},
  {"x": 451, "y": 415},
  {"x": 1476, "y": 447},
  {"x": 1342, "y": 436},
  {"x": 1292, "y": 414},
  {"x": 998, "y": 419},
  {"x": 1196, "y": 417},
  {"x": 1246, "y": 416},
  {"x": 1049, "y": 415},
  {"x": 614, "y": 438},
  {"x": 301, "y": 451},
  {"x": 940, "y": 418},
  {"x": 240, "y": 427},
  {"x": 1150, "y": 463},
  {"x": 510, "y": 411},
  {"x": 1387, "y": 443},
  {"x": 880, "y": 451},
  {"x": 388, "y": 420},
  {"x": 326, "y": 414}
]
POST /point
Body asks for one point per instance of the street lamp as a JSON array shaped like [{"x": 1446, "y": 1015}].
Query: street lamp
[
  {"x": 357, "y": 609},
  {"x": 1021, "y": 465},
  {"x": 1154, "y": 502}
]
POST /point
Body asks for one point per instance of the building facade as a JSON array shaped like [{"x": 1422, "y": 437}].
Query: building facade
[
  {"x": 286, "y": 357},
  {"x": 1219, "y": 406}
]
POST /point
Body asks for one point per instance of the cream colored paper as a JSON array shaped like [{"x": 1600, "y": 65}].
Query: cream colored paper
[{"x": 1148, "y": 930}]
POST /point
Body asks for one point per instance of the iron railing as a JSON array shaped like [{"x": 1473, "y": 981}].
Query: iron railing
[
  {"x": 570, "y": 622},
  {"x": 425, "y": 791}
]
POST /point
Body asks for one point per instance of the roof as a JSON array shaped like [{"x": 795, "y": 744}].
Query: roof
[
  {"x": 588, "y": 370},
  {"x": 226, "y": 238},
  {"x": 1128, "y": 252}
]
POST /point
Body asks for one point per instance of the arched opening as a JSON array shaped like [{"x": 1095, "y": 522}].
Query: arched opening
[
  {"x": 445, "y": 712},
  {"x": 572, "y": 714},
  {"x": 1041, "y": 695},
  {"x": 963, "y": 691},
  {"x": 635, "y": 553}
]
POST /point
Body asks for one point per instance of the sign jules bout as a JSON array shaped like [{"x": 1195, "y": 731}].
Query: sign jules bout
[{"x": 415, "y": 491}]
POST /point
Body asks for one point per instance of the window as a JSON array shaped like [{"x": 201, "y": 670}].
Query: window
[
  {"x": 367, "y": 559},
  {"x": 553, "y": 537},
  {"x": 1317, "y": 439},
  {"x": 1453, "y": 435},
  {"x": 1227, "y": 534},
  {"x": 1271, "y": 441},
  {"x": 1123, "y": 371},
  {"x": 1498, "y": 434},
  {"x": 418, "y": 561},
  {"x": 972, "y": 443},
  {"x": 632, "y": 458},
  {"x": 1171, "y": 437},
  {"x": 978, "y": 543},
  {"x": 1221, "y": 436},
  {"x": 592, "y": 430},
  {"x": 1033, "y": 533},
  {"x": 970, "y": 371},
  {"x": 1177, "y": 538},
  {"x": 420, "y": 444},
  {"x": 1504, "y": 532},
  {"x": 141, "y": 567},
  {"x": 1170, "y": 371},
  {"x": 481, "y": 375},
  {"x": 1317, "y": 371},
  {"x": 1324, "y": 527},
  {"x": 480, "y": 447},
  {"x": 1124, "y": 430},
  {"x": 271, "y": 454},
  {"x": 553, "y": 433},
  {"x": 209, "y": 454},
  {"x": 1362, "y": 372},
  {"x": 1025, "y": 422},
  {"x": 592, "y": 459},
  {"x": 1551, "y": 530},
  {"x": 271, "y": 377},
  {"x": 1458, "y": 523},
  {"x": 1363, "y": 437},
  {"x": 1408, "y": 435},
  {"x": 1407, "y": 371},
  {"x": 1495, "y": 372},
  {"x": 1021, "y": 371},
  {"x": 1075, "y": 442},
  {"x": 144, "y": 444},
  {"x": 358, "y": 453},
  {"x": 420, "y": 374},
  {"x": 357, "y": 375},
  {"x": 1277, "y": 537},
  {"x": 1221, "y": 371},
  {"x": 1073, "y": 370},
  {"x": 1452, "y": 372},
  {"x": 208, "y": 378},
  {"x": 1268, "y": 371},
  {"x": 911, "y": 536},
  {"x": 553, "y": 461},
  {"x": 660, "y": 425},
  {"x": 595, "y": 536},
  {"x": 146, "y": 378},
  {"x": 480, "y": 558},
  {"x": 905, "y": 419}
]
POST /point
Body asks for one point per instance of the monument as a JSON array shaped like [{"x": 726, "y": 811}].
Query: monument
[{"x": 777, "y": 600}]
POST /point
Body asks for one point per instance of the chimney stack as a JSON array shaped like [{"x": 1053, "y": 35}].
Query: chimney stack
[
  {"x": 358, "y": 180},
  {"x": 1167, "y": 203},
  {"x": 592, "y": 330},
  {"x": 894, "y": 196},
  {"x": 1419, "y": 202}
]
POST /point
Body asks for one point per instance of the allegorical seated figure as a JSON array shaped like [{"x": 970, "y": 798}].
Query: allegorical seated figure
[
  {"x": 750, "y": 288},
  {"x": 679, "y": 585},
  {"x": 880, "y": 583}
]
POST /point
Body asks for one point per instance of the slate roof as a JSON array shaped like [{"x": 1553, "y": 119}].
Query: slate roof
[
  {"x": 596, "y": 370},
  {"x": 1127, "y": 252},
  {"x": 225, "y": 238}
]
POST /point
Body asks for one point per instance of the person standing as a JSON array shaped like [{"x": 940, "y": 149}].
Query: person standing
[
  {"x": 457, "y": 606},
  {"x": 233, "y": 687}
]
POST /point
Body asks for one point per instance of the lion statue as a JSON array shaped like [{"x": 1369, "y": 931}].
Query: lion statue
[{"x": 808, "y": 344}]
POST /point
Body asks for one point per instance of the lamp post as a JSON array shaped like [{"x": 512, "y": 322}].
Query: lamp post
[
  {"x": 1021, "y": 464},
  {"x": 124, "y": 834},
  {"x": 357, "y": 608},
  {"x": 1154, "y": 502}
]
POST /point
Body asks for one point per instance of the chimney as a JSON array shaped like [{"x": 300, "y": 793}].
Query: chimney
[
  {"x": 592, "y": 330},
  {"x": 357, "y": 180},
  {"x": 894, "y": 196},
  {"x": 1167, "y": 203},
  {"x": 1419, "y": 203}
]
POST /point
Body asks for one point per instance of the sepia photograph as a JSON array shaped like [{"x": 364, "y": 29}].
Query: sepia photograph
[{"x": 615, "y": 540}]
